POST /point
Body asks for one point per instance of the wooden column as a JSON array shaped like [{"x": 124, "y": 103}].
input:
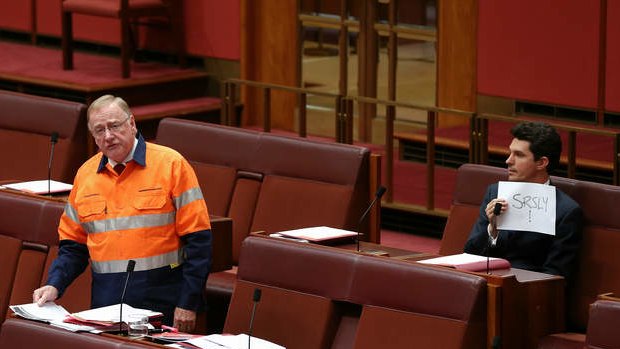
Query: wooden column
[
  {"x": 456, "y": 58},
  {"x": 367, "y": 53},
  {"x": 269, "y": 53}
]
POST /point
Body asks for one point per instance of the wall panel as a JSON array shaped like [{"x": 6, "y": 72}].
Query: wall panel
[
  {"x": 212, "y": 27},
  {"x": 612, "y": 76},
  {"x": 544, "y": 51}
]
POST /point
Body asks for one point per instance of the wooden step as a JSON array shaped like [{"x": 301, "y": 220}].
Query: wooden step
[{"x": 177, "y": 108}]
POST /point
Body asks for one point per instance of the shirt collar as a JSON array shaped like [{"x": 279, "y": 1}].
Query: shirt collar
[{"x": 137, "y": 154}]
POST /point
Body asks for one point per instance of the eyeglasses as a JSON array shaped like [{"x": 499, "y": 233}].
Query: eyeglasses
[{"x": 114, "y": 127}]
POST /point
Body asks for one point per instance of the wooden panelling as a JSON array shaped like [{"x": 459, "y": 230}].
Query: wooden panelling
[
  {"x": 211, "y": 26},
  {"x": 269, "y": 53},
  {"x": 541, "y": 51},
  {"x": 456, "y": 58},
  {"x": 612, "y": 76}
]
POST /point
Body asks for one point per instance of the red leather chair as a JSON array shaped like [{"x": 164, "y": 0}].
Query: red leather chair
[{"x": 128, "y": 12}]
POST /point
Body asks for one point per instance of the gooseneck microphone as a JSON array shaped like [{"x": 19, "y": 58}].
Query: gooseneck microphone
[
  {"x": 53, "y": 141},
  {"x": 497, "y": 210},
  {"x": 380, "y": 191},
  {"x": 130, "y": 266},
  {"x": 255, "y": 299},
  {"x": 497, "y": 342}
]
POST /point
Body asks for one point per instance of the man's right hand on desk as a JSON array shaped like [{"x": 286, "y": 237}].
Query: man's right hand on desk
[{"x": 44, "y": 294}]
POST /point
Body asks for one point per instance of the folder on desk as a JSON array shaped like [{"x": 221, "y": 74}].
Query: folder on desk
[
  {"x": 469, "y": 262},
  {"x": 321, "y": 235}
]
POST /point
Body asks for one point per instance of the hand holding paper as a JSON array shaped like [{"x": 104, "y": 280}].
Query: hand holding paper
[{"x": 531, "y": 207}]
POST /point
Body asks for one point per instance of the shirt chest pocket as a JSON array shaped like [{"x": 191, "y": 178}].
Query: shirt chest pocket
[
  {"x": 91, "y": 209},
  {"x": 149, "y": 201}
]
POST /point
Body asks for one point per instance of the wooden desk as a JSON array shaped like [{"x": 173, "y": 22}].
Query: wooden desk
[
  {"x": 20, "y": 333},
  {"x": 221, "y": 229},
  {"x": 523, "y": 306}
]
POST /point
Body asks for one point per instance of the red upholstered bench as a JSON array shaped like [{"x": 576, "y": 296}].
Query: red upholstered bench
[
  {"x": 321, "y": 297},
  {"x": 268, "y": 182},
  {"x": 412, "y": 305},
  {"x": 599, "y": 260},
  {"x": 29, "y": 121},
  {"x": 471, "y": 183},
  {"x": 18, "y": 333},
  {"x": 28, "y": 244}
]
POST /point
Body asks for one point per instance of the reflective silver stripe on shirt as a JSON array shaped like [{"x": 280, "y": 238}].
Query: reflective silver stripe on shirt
[
  {"x": 147, "y": 263},
  {"x": 187, "y": 197},
  {"x": 71, "y": 213},
  {"x": 131, "y": 222}
]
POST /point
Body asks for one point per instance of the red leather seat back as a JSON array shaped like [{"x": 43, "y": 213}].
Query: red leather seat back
[{"x": 29, "y": 121}]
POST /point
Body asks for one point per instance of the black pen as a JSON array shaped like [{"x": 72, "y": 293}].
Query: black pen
[{"x": 157, "y": 330}]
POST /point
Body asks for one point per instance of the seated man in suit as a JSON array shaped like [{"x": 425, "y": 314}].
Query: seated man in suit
[{"x": 534, "y": 153}]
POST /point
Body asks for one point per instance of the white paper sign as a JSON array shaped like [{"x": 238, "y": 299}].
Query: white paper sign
[{"x": 531, "y": 207}]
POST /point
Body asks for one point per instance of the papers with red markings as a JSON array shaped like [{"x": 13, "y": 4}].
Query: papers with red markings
[
  {"x": 89, "y": 320},
  {"x": 111, "y": 314},
  {"x": 469, "y": 262}
]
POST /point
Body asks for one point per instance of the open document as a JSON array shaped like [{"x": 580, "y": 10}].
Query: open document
[
  {"x": 51, "y": 313},
  {"x": 89, "y": 320},
  {"x": 40, "y": 187}
]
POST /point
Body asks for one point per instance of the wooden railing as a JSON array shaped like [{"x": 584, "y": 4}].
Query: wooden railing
[
  {"x": 390, "y": 118},
  {"x": 481, "y": 133},
  {"x": 231, "y": 89},
  {"x": 344, "y": 119}
]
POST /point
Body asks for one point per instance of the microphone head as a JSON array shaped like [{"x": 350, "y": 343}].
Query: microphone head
[
  {"x": 257, "y": 294},
  {"x": 54, "y": 137},
  {"x": 497, "y": 342},
  {"x": 497, "y": 210},
  {"x": 380, "y": 191},
  {"x": 130, "y": 265}
]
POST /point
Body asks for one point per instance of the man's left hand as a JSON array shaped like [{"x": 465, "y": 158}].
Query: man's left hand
[{"x": 184, "y": 320}]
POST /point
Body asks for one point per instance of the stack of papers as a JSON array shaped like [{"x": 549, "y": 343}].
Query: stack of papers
[
  {"x": 51, "y": 313},
  {"x": 110, "y": 315},
  {"x": 48, "y": 312},
  {"x": 93, "y": 320}
]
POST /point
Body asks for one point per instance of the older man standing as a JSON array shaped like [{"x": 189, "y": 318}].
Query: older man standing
[{"x": 134, "y": 201}]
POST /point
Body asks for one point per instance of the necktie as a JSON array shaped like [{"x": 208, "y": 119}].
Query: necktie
[{"x": 119, "y": 168}]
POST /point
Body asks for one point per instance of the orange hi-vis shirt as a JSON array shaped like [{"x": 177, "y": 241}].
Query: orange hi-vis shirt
[{"x": 140, "y": 214}]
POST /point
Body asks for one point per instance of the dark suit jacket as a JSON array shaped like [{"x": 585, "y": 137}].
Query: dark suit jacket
[{"x": 529, "y": 250}]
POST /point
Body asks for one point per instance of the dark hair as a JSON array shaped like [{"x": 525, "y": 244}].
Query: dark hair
[{"x": 544, "y": 141}]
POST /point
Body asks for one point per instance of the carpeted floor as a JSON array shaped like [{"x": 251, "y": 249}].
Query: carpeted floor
[
  {"x": 410, "y": 242},
  {"x": 46, "y": 64}
]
